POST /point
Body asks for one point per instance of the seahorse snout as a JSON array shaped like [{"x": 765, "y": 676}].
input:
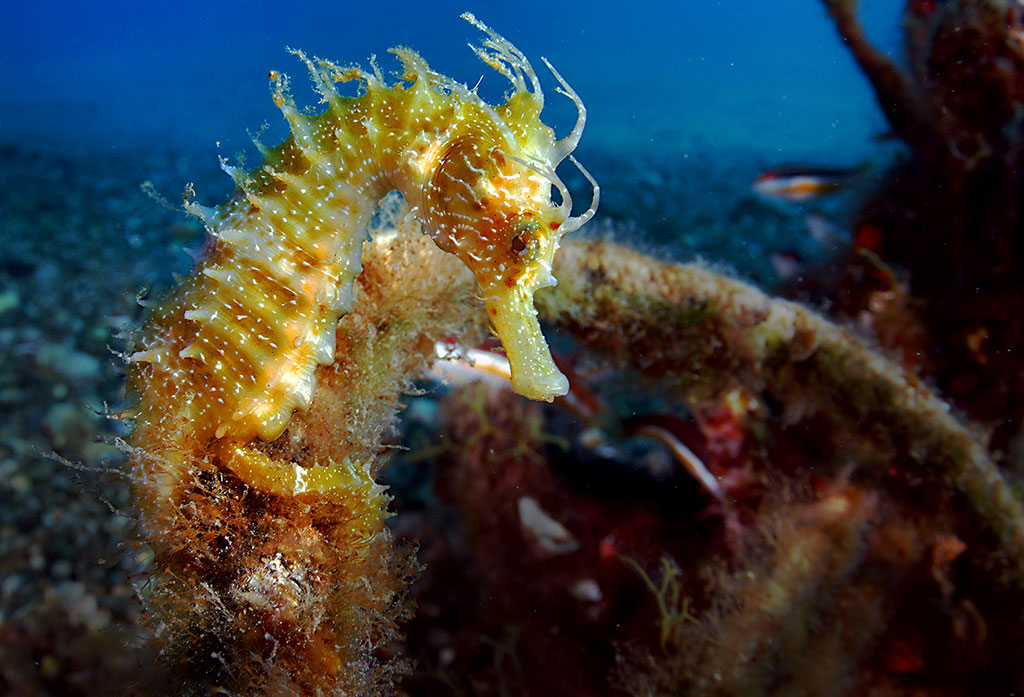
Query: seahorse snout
[{"x": 534, "y": 373}]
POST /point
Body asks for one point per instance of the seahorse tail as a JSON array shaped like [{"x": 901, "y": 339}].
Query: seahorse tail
[{"x": 261, "y": 558}]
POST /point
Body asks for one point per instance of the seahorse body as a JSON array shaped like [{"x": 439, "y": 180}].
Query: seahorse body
[{"x": 233, "y": 350}]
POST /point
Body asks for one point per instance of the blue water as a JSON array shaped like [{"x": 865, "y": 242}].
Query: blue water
[{"x": 660, "y": 76}]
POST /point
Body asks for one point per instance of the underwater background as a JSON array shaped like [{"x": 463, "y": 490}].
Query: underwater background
[
  {"x": 108, "y": 110},
  {"x": 739, "y": 88},
  {"x": 658, "y": 76}
]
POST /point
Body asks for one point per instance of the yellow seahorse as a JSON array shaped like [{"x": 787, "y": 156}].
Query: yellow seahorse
[{"x": 232, "y": 352}]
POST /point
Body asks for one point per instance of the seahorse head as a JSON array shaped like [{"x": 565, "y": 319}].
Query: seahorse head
[
  {"x": 489, "y": 198},
  {"x": 489, "y": 201}
]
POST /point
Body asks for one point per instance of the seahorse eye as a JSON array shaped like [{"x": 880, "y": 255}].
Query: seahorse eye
[
  {"x": 524, "y": 237},
  {"x": 518, "y": 246}
]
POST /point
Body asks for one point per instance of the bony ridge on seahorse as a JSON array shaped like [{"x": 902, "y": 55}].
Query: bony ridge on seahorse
[{"x": 232, "y": 352}]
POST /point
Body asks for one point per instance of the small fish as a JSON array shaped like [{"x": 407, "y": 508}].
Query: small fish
[
  {"x": 668, "y": 429},
  {"x": 463, "y": 366},
  {"x": 798, "y": 183}
]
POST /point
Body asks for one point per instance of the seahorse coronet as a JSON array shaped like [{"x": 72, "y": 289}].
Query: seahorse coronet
[{"x": 233, "y": 350}]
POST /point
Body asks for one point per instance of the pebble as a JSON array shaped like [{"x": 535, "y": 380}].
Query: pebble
[
  {"x": 9, "y": 300},
  {"x": 57, "y": 316},
  {"x": 66, "y": 423},
  {"x": 69, "y": 363}
]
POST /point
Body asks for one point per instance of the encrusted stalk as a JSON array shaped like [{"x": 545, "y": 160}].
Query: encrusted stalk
[{"x": 704, "y": 333}]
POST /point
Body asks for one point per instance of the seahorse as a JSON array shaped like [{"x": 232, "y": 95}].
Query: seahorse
[
  {"x": 232, "y": 352},
  {"x": 273, "y": 569}
]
